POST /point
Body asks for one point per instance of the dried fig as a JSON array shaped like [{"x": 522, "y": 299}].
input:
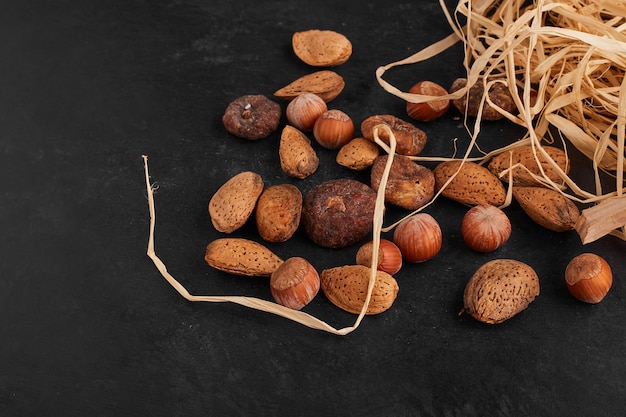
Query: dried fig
[
  {"x": 409, "y": 184},
  {"x": 410, "y": 140},
  {"x": 469, "y": 104},
  {"x": 338, "y": 213},
  {"x": 252, "y": 117}
]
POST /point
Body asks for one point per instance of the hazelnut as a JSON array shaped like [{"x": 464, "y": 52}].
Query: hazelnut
[
  {"x": 485, "y": 228},
  {"x": 295, "y": 283},
  {"x": 389, "y": 256},
  {"x": 333, "y": 129},
  {"x": 428, "y": 111},
  {"x": 588, "y": 278},
  {"x": 303, "y": 111},
  {"x": 418, "y": 237}
]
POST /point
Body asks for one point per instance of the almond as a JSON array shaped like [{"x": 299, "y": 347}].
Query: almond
[
  {"x": 298, "y": 159},
  {"x": 346, "y": 287},
  {"x": 524, "y": 157},
  {"x": 321, "y": 48},
  {"x": 241, "y": 257},
  {"x": 499, "y": 290},
  {"x": 547, "y": 207},
  {"x": 278, "y": 212},
  {"x": 326, "y": 84},
  {"x": 473, "y": 185},
  {"x": 233, "y": 203},
  {"x": 358, "y": 154}
]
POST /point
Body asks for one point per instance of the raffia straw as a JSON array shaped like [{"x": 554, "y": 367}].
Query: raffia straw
[
  {"x": 297, "y": 316},
  {"x": 572, "y": 53}
]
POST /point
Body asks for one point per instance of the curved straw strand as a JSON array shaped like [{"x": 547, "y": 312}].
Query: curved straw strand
[{"x": 268, "y": 306}]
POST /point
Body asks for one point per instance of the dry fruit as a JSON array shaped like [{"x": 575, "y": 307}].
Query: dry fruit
[
  {"x": 338, "y": 213},
  {"x": 252, "y": 117},
  {"x": 409, "y": 184}
]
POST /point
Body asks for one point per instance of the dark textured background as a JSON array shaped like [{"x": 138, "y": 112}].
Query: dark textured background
[{"x": 89, "y": 327}]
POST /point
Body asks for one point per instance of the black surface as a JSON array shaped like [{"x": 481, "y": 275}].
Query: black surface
[{"x": 89, "y": 327}]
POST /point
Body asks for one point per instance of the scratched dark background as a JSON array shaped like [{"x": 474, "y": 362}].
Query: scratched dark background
[{"x": 89, "y": 327}]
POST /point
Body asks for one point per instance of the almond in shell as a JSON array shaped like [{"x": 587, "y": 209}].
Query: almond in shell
[
  {"x": 547, "y": 207},
  {"x": 298, "y": 159},
  {"x": 278, "y": 212},
  {"x": 346, "y": 287},
  {"x": 358, "y": 154},
  {"x": 326, "y": 84},
  {"x": 321, "y": 48},
  {"x": 474, "y": 184},
  {"x": 233, "y": 203},
  {"x": 241, "y": 256},
  {"x": 499, "y": 290},
  {"x": 524, "y": 162}
]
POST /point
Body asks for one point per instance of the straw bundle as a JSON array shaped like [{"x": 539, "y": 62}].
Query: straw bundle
[{"x": 572, "y": 55}]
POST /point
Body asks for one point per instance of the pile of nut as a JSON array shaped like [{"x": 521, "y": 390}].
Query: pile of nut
[{"x": 339, "y": 213}]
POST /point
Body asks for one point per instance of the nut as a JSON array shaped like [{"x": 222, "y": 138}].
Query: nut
[
  {"x": 499, "y": 290},
  {"x": 473, "y": 185},
  {"x": 241, "y": 257},
  {"x": 298, "y": 159},
  {"x": 389, "y": 256},
  {"x": 547, "y": 207},
  {"x": 321, "y": 48},
  {"x": 233, "y": 203},
  {"x": 294, "y": 283},
  {"x": 333, "y": 129},
  {"x": 326, "y": 84},
  {"x": 588, "y": 278},
  {"x": 524, "y": 162},
  {"x": 419, "y": 237},
  {"x": 346, "y": 287},
  {"x": 427, "y": 111},
  {"x": 278, "y": 212},
  {"x": 358, "y": 154},
  {"x": 485, "y": 228},
  {"x": 303, "y": 111}
]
